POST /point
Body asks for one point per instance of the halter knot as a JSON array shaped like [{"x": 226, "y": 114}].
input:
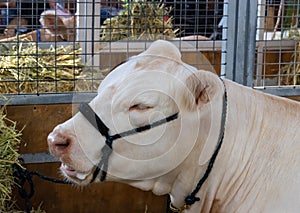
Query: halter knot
[
  {"x": 109, "y": 140},
  {"x": 191, "y": 199}
]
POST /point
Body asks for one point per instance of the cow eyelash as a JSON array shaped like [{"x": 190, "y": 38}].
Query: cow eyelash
[{"x": 140, "y": 107}]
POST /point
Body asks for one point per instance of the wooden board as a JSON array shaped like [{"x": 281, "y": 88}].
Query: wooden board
[
  {"x": 37, "y": 121},
  {"x": 206, "y": 60},
  {"x": 104, "y": 197}
]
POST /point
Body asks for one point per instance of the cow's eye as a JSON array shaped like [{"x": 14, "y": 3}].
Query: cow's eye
[{"x": 140, "y": 107}]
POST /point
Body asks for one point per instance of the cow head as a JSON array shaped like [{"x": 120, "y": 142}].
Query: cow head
[
  {"x": 148, "y": 87},
  {"x": 59, "y": 23}
]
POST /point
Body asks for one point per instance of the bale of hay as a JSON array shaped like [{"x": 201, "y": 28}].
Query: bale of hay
[
  {"x": 139, "y": 19},
  {"x": 31, "y": 69},
  {"x": 10, "y": 139},
  {"x": 9, "y": 144},
  {"x": 89, "y": 79}
]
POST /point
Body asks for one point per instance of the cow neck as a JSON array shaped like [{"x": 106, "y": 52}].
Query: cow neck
[{"x": 191, "y": 198}]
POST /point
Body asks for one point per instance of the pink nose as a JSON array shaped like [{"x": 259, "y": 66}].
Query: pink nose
[{"x": 58, "y": 142}]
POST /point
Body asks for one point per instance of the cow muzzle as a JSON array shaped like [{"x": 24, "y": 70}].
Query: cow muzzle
[{"x": 59, "y": 142}]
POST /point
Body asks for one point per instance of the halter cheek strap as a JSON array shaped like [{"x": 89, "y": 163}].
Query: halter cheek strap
[{"x": 106, "y": 150}]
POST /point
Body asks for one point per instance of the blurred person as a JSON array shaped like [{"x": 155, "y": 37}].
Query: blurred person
[
  {"x": 7, "y": 13},
  {"x": 109, "y": 9}
]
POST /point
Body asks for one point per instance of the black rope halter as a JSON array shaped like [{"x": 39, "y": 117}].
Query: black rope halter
[
  {"x": 102, "y": 166},
  {"x": 94, "y": 119},
  {"x": 191, "y": 198}
]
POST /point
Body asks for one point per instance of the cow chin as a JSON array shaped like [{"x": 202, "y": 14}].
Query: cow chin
[{"x": 78, "y": 177}]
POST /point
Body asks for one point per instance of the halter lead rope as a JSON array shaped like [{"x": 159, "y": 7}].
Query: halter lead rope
[
  {"x": 106, "y": 150},
  {"x": 25, "y": 184}
]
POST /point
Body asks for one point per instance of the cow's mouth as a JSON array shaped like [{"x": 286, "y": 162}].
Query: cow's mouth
[{"x": 71, "y": 173}]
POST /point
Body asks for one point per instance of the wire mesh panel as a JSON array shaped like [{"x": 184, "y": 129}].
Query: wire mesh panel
[
  {"x": 277, "y": 61},
  {"x": 194, "y": 26},
  {"x": 128, "y": 28},
  {"x": 57, "y": 46},
  {"x": 33, "y": 59},
  {"x": 198, "y": 17}
]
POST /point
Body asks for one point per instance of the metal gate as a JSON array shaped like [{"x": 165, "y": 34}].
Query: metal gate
[
  {"x": 277, "y": 47},
  {"x": 67, "y": 48},
  {"x": 70, "y": 47},
  {"x": 263, "y": 45}
]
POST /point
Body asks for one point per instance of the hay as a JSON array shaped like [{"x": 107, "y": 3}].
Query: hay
[
  {"x": 140, "y": 19},
  {"x": 31, "y": 69},
  {"x": 291, "y": 72},
  {"x": 90, "y": 79},
  {"x": 9, "y": 144},
  {"x": 38, "y": 210}
]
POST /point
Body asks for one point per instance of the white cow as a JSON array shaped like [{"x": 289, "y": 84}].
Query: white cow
[{"x": 257, "y": 168}]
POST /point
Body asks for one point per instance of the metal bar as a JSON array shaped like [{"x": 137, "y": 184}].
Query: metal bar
[
  {"x": 88, "y": 30},
  {"x": 224, "y": 23},
  {"x": 60, "y": 98},
  {"x": 250, "y": 48},
  {"x": 43, "y": 45},
  {"x": 281, "y": 91},
  {"x": 260, "y": 32},
  {"x": 76, "y": 98},
  {"x": 231, "y": 38},
  {"x": 260, "y": 37},
  {"x": 39, "y": 157},
  {"x": 241, "y": 41}
]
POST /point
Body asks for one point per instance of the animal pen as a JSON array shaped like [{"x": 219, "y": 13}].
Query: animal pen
[{"x": 54, "y": 55}]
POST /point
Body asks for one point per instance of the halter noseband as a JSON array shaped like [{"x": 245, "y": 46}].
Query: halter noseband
[{"x": 106, "y": 151}]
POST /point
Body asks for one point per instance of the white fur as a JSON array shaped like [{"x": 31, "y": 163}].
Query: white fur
[{"x": 257, "y": 169}]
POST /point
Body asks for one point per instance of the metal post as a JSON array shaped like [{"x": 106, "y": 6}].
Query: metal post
[
  {"x": 224, "y": 24},
  {"x": 88, "y": 31},
  {"x": 241, "y": 41}
]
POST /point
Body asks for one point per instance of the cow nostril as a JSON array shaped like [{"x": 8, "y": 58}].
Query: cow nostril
[
  {"x": 68, "y": 141},
  {"x": 64, "y": 143},
  {"x": 61, "y": 147},
  {"x": 58, "y": 143}
]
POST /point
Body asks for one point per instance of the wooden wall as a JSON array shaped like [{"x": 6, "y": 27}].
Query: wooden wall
[
  {"x": 273, "y": 60},
  {"x": 207, "y": 60}
]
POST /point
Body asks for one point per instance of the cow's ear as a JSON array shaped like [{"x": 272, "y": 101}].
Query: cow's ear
[
  {"x": 204, "y": 98},
  {"x": 164, "y": 49},
  {"x": 198, "y": 93}
]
